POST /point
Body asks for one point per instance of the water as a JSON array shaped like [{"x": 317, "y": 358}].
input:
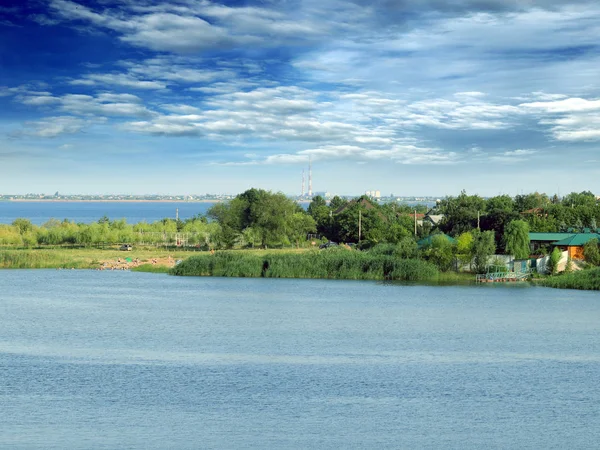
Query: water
[
  {"x": 88, "y": 212},
  {"x": 109, "y": 360}
]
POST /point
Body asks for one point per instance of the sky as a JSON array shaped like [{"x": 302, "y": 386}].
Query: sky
[{"x": 410, "y": 97}]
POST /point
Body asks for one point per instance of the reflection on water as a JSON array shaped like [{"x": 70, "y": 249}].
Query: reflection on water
[{"x": 124, "y": 360}]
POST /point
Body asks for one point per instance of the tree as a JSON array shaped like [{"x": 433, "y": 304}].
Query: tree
[
  {"x": 553, "y": 261},
  {"x": 484, "y": 246},
  {"x": 336, "y": 203},
  {"x": 464, "y": 248},
  {"x": 460, "y": 213},
  {"x": 516, "y": 239},
  {"x": 300, "y": 224},
  {"x": 591, "y": 252},
  {"x": 531, "y": 201},
  {"x": 321, "y": 214},
  {"x": 23, "y": 225},
  {"x": 440, "y": 252}
]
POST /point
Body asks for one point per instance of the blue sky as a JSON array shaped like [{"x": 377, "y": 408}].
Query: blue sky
[{"x": 406, "y": 97}]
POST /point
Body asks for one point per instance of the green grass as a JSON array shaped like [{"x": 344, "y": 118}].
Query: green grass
[
  {"x": 588, "y": 279},
  {"x": 78, "y": 258},
  {"x": 329, "y": 264},
  {"x": 151, "y": 268},
  {"x": 39, "y": 259}
]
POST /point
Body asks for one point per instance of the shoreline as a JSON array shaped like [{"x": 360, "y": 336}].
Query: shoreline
[{"x": 49, "y": 200}]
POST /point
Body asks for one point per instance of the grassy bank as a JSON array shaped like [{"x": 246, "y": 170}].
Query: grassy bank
[
  {"x": 78, "y": 258},
  {"x": 582, "y": 279},
  {"x": 332, "y": 264}
]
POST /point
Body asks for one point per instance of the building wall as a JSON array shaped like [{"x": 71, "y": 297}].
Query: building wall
[{"x": 576, "y": 252}]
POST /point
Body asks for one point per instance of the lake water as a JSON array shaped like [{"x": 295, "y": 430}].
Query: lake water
[
  {"x": 106, "y": 360},
  {"x": 88, "y": 212}
]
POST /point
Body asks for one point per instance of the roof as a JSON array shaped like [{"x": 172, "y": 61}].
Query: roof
[
  {"x": 549, "y": 237},
  {"x": 427, "y": 241},
  {"x": 362, "y": 200},
  {"x": 412, "y": 215},
  {"x": 577, "y": 240},
  {"x": 435, "y": 218}
]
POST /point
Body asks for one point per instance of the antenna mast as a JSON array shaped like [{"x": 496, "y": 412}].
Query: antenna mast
[
  {"x": 302, "y": 183},
  {"x": 309, "y": 177}
]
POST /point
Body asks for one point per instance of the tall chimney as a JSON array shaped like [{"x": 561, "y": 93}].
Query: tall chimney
[{"x": 309, "y": 177}]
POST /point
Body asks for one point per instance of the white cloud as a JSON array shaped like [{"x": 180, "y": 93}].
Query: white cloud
[
  {"x": 183, "y": 29},
  {"x": 118, "y": 79},
  {"x": 52, "y": 127},
  {"x": 564, "y": 106},
  {"x": 513, "y": 156}
]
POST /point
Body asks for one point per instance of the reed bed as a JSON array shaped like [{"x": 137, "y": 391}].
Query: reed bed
[
  {"x": 331, "y": 264},
  {"x": 39, "y": 259},
  {"x": 582, "y": 279}
]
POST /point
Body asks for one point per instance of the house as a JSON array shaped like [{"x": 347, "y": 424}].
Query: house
[
  {"x": 538, "y": 241},
  {"x": 433, "y": 217},
  {"x": 574, "y": 244}
]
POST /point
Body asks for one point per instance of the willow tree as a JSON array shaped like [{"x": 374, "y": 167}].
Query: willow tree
[{"x": 516, "y": 239}]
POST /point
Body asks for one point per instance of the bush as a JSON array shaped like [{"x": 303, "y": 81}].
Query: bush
[
  {"x": 582, "y": 279},
  {"x": 332, "y": 264}
]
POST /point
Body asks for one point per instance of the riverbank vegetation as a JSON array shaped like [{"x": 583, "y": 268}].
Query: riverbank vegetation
[
  {"x": 583, "y": 279},
  {"x": 331, "y": 264},
  {"x": 466, "y": 233}
]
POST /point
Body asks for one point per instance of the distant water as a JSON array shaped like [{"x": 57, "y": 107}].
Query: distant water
[
  {"x": 109, "y": 360},
  {"x": 88, "y": 212}
]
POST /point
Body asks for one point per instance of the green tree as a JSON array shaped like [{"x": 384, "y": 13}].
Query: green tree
[
  {"x": 464, "y": 248},
  {"x": 516, "y": 239},
  {"x": 300, "y": 225},
  {"x": 484, "y": 247},
  {"x": 23, "y": 225},
  {"x": 460, "y": 213},
  {"x": 336, "y": 203},
  {"x": 591, "y": 252},
  {"x": 440, "y": 252},
  {"x": 321, "y": 214},
  {"x": 553, "y": 261}
]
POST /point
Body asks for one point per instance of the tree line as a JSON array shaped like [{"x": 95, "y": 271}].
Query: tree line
[{"x": 260, "y": 218}]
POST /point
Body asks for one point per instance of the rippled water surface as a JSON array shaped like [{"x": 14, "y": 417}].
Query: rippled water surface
[{"x": 124, "y": 360}]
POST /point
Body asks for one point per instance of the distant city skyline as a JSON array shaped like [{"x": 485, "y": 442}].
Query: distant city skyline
[{"x": 415, "y": 98}]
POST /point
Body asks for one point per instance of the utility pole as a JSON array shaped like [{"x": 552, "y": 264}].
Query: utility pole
[
  {"x": 177, "y": 214},
  {"x": 415, "y": 223},
  {"x": 478, "y": 219}
]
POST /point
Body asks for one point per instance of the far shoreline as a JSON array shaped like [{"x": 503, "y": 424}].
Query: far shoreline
[{"x": 50, "y": 200}]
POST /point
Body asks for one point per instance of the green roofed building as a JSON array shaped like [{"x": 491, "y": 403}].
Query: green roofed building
[
  {"x": 541, "y": 240},
  {"x": 574, "y": 244},
  {"x": 427, "y": 241}
]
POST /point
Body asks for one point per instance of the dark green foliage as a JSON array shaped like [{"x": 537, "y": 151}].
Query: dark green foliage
[
  {"x": 483, "y": 247},
  {"x": 516, "y": 239},
  {"x": 331, "y": 264},
  {"x": 591, "y": 252},
  {"x": 460, "y": 213},
  {"x": 582, "y": 279},
  {"x": 440, "y": 252}
]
